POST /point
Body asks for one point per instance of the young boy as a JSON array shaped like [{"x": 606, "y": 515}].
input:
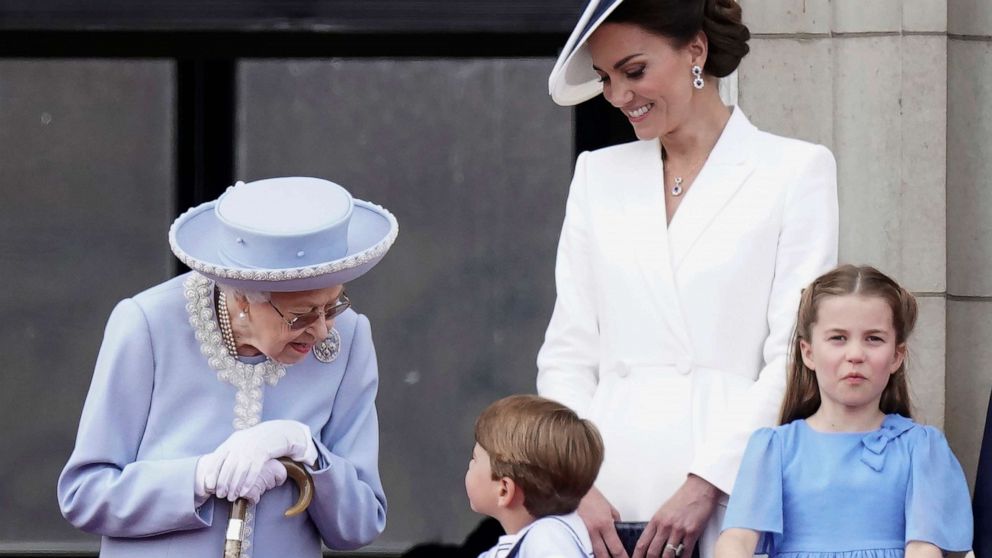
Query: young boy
[{"x": 533, "y": 461}]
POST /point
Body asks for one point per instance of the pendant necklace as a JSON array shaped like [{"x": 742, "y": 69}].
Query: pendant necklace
[{"x": 677, "y": 189}]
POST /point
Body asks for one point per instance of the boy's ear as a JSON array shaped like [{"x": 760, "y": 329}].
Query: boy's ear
[{"x": 509, "y": 493}]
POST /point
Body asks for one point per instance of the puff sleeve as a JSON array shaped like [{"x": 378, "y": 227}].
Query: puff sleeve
[
  {"x": 756, "y": 502},
  {"x": 938, "y": 508}
]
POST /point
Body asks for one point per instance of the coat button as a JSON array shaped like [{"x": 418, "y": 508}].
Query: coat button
[
  {"x": 683, "y": 365},
  {"x": 623, "y": 371}
]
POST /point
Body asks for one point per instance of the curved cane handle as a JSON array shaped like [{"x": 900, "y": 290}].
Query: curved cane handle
[{"x": 303, "y": 481}]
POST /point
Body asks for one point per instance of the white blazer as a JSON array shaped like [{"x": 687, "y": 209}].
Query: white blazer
[{"x": 673, "y": 339}]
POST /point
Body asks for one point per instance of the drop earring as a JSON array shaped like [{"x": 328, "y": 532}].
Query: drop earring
[{"x": 697, "y": 80}]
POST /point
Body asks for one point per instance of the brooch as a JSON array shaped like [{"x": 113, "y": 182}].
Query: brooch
[{"x": 327, "y": 350}]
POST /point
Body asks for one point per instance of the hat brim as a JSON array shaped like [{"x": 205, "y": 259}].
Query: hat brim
[
  {"x": 573, "y": 81},
  {"x": 195, "y": 236}
]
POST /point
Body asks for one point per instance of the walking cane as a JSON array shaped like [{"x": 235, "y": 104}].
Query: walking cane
[{"x": 235, "y": 525}]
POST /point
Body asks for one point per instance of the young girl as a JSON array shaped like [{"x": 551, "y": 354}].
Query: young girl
[{"x": 848, "y": 474}]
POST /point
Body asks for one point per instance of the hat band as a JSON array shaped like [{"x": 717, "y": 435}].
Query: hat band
[{"x": 254, "y": 251}]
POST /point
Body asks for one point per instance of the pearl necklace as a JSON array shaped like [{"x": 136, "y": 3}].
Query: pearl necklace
[
  {"x": 247, "y": 378},
  {"x": 224, "y": 320}
]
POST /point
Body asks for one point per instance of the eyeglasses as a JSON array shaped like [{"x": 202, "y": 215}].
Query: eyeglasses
[{"x": 329, "y": 312}]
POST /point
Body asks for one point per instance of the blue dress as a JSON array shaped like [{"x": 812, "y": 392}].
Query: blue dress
[{"x": 851, "y": 495}]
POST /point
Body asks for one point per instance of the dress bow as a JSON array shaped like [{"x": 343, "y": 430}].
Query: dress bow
[{"x": 873, "y": 454}]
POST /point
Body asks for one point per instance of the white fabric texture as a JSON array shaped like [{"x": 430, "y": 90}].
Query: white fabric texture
[{"x": 673, "y": 339}]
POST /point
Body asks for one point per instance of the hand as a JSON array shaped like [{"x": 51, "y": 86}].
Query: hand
[
  {"x": 273, "y": 474},
  {"x": 205, "y": 477},
  {"x": 598, "y": 515},
  {"x": 680, "y": 520},
  {"x": 236, "y": 464}
]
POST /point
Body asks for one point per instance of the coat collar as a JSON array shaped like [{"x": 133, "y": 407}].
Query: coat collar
[
  {"x": 728, "y": 166},
  {"x": 639, "y": 174}
]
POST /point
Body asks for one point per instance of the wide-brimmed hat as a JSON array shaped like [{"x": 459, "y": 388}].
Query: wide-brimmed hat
[
  {"x": 573, "y": 80},
  {"x": 284, "y": 235}
]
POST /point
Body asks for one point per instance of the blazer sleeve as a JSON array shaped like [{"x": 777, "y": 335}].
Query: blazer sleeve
[
  {"x": 807, "y": 247},
  {"x": 568, "y": 362},
  {"x": 349, "y": 505},
  {"x": 104, "y": 488}
]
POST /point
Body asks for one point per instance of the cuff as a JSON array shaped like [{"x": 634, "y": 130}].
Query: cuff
[{"x": 310, "y": 454}]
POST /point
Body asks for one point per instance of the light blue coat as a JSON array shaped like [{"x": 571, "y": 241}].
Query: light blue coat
[{"x": 155, "y": 406}]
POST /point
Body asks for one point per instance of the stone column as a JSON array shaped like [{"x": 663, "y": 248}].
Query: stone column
[
  {"x": 969, "y": 230},
  {"x": 866, "y": 79}
]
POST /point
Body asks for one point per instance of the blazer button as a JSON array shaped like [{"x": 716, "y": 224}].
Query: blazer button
[
  {"x": 623, "y": 371},
  {"x": 683, "y": 365}
]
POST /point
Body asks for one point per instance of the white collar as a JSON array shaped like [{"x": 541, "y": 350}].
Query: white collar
[{"x": 247, "y": 377}]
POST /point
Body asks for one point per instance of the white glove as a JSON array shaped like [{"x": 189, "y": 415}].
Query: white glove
[
  {"x": 203, "y": 487},
  {"x": 273, "y": 474},
  {"x": 236, "y": 464}
]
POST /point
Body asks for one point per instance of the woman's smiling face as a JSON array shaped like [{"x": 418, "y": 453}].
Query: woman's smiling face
[{"x": 645, "y": 76}]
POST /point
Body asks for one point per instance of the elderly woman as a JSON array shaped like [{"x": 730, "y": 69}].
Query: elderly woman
[
  {"x": 203, "y": 381},
  {"x": 679, "y": 270}
]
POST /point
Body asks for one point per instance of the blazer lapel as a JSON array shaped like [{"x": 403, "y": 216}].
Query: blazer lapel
[
  {"x": 726, "y": 169},
  {"x": 640, "y": 174}
]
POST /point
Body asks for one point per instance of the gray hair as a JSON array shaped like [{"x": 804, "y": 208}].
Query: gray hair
[{"x": 252, "y": 296}]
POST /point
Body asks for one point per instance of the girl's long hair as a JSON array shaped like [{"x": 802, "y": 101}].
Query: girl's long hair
[{"x": 802, "y": 393}]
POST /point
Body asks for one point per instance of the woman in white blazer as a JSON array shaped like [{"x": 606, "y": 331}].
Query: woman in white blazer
[{"x": 679, "y": 269}]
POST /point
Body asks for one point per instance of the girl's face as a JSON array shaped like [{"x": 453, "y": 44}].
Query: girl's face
[
  {"x": 853, "y": 351},
  {"x": 272, "y": 335},
  {"x": 479, "y": 483},
  {"x": 644, "y": 76}
]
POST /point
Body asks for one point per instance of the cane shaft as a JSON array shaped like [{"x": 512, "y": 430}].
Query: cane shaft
[
  {"x": 235, "y": 529},
  {"x": 234, "y": 538}
]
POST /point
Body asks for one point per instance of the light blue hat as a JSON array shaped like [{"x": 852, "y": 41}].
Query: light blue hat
[
  {"x": 573, "y": 80},
  {"x": 283, "y": 234}
]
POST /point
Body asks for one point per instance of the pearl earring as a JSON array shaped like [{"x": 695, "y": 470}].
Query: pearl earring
[
  {"x": 243, "y": 314},
  {"x": 697, "y": 81}
]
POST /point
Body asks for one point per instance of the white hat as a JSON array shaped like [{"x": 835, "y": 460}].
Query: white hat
[{"x": 573, "y": 80}]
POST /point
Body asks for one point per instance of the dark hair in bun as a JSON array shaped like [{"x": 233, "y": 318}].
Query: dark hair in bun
[{"x": 681, "y": 20}]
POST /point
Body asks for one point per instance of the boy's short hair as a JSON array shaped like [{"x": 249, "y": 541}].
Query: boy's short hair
[{"x": 544, "y": 447}]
